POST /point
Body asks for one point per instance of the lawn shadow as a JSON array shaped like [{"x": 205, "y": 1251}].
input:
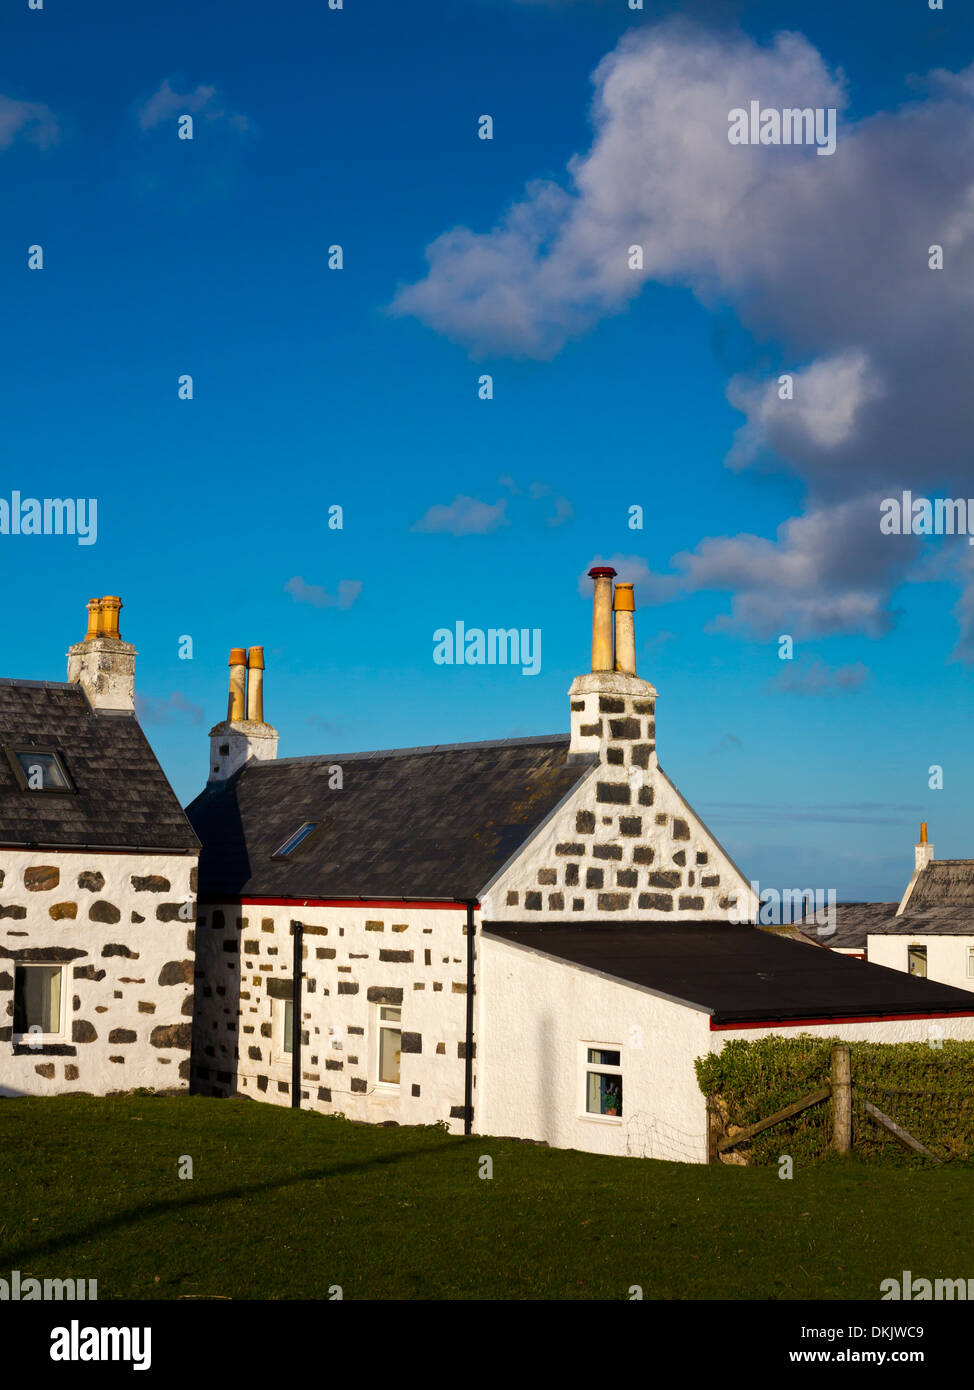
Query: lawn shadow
[{"x": 136, "y": 1214}]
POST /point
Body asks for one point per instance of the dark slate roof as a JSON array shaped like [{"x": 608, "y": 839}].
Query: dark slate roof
[
  {"x": 736, "y": 973},
  {"x": 944, "y": 883},
  {"x": 853, "y": 923},
  {"x": 122, "y": 798},
  {"x": 435, "y": 822},
  {"x": 931, "y": 921}
]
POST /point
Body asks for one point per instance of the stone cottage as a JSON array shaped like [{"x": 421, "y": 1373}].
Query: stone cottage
[
  {"x": 97, "y": 883},
  {"x": 531, "y": 936}
]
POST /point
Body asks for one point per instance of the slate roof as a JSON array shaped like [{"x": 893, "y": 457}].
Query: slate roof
[
  {"x": 931, "y": 921},
  {"x": 944, "y": 883},
  {"x": 736, "y": 973},
  {"x": 122, "y": 798},
  {"x": 853, "y": 923},
  {"x": 435, "y": 822}
]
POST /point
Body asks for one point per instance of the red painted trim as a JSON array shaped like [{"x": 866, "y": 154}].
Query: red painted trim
[
  {"x": 843, "y": 1018},
  {"x": 425, "y": 904}
]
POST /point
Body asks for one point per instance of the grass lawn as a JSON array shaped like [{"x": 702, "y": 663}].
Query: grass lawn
[{"x": 285, "y": 1204}]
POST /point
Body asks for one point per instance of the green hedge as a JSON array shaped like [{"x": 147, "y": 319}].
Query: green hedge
[{"x": 929, "y": 1091}]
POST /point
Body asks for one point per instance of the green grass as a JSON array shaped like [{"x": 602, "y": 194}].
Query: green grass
[{"x": 285, "y": 1204}]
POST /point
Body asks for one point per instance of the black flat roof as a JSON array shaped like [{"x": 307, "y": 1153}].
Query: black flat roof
[{"x": 736, "y": 973}]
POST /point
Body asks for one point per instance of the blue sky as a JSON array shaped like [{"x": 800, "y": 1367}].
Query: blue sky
[{"x": 359, "y": 387}]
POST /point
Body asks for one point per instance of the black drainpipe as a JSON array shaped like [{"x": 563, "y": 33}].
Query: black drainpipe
[
  {"x": 297, "y": 931},
  {"x": 468, "y": 1051}
]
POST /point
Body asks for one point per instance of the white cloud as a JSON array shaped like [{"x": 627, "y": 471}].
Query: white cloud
[
  {"x": 159, "y": 711},
  {"x": 827, "y": 258},
  {"x": 318, "y": 597},
  {"x": 30, "y": 120},
  {"x": 817, "y": 678},
  {"x": 465, "y": 516},
  {"x": 166, "y": 104}
]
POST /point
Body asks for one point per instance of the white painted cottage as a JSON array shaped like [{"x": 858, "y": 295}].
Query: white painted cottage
[
  {"x": 531, "y": 937},
  {"x": 97, "y": 884},
  {"x": 929, "y": 933}
]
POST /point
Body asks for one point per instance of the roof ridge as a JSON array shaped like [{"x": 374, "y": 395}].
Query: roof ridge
[
  {"x": 39, "y": 685},
  {"x": 533, "y": 740}
]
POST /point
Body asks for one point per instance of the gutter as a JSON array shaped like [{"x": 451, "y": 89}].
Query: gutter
[
  {"x": 297, "y": 931},
  {"x": 468, "y": 1048}
]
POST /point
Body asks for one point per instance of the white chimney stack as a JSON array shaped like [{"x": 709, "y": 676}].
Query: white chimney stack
[{"x": 103, "y": 665}]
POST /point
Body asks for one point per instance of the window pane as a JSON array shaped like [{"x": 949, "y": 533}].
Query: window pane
[
  {"x": 37, "y": 998},
  {"x": 916, "y": 958},
  {"x": 390, "y": 1015},
  {"x": 389, "y": 1044},
  {"x": 603, "y": 1094},
  {"x": 292, "y": 842},
  {"x": 288, "y": 1025},
  {"x": 42, "y": 770},
  {"x": 603, "y": 1058}
]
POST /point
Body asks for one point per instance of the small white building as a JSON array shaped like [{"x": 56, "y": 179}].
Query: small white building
[
  {"x": 531, "y": 937},
  {"x": 97, "y": 884},
  {"x": 929, "y": 933}
]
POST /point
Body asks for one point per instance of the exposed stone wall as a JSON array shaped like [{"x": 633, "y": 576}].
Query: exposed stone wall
[
  {"x": 354, "y": 960},
  {"x": 123, "y": 926},
  {"x": 626, "y": 844}
]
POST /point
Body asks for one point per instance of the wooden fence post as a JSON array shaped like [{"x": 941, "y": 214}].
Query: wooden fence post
[{"x": 842, "y": 1099}]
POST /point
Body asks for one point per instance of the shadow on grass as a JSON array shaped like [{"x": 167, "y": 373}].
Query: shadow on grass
[{"x": 137, "y": 1214}]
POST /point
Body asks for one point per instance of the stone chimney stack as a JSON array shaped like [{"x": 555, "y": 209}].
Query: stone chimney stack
[
  {"x": 103, "y": 665},
  {"x": 243, "y": 734},
  {"x": 613, "y": 712}
]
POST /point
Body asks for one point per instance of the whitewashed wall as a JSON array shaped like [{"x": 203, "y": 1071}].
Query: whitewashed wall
[
  {"x": 535, "y": 1017},
  {"x": 947, "y": 956},
  {"x": 535, "y": 1014},
  {"x": 413, "y": 957},
  {"x": 123, "y": 927}
]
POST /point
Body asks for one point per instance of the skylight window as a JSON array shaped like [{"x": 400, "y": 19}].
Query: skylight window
[
  {"x": 39, "y": 770},
  {"x": 292, "y": 842}
]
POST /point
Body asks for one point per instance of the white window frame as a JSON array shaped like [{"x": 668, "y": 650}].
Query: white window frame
[
  {"x": 279, "y": 1009},
  {"x": 382, "y": 1025},
  {"x": 603, "y": 1070},
  {"x": 25, "y": 1039},
  {"x": 970, "y": 962}
]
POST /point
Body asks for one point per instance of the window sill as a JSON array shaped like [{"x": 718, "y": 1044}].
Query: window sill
[
  {"x": 387, "y": 1088},
  {"x": 603, "y": 1119},
  {"x": 50, "y": 1046}
]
